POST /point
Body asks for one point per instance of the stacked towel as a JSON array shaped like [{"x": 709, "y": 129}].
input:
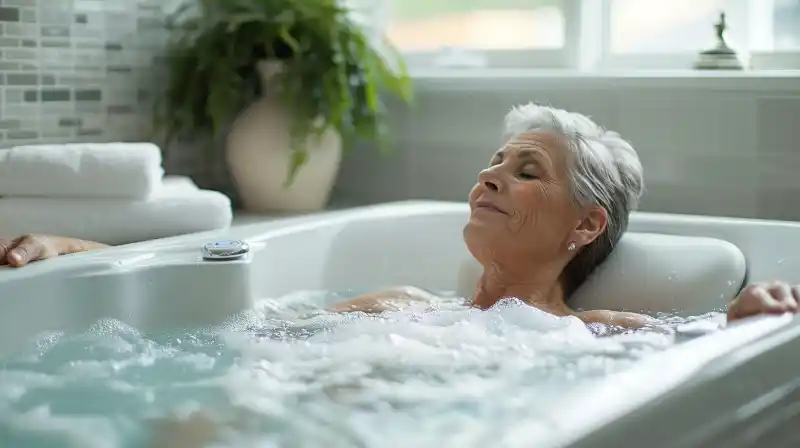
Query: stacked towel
[
  {"x": 110, "y": 193},
  {"x": 108, "y": 170}
]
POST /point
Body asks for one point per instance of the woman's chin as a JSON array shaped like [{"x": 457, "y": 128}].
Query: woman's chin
[{"x": 478, "y": 225}]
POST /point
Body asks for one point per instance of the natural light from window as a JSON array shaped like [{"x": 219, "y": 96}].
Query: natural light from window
[
  {"x": 427, "y": 25},
  {"x": 672, "y": 26},
  {"x": 632, "y": 27}
]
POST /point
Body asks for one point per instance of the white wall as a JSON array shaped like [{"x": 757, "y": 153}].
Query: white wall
[{"x": 718, "y": 144}]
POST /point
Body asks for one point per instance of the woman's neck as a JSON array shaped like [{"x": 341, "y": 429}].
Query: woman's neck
[{"x": 539, "y": 288}]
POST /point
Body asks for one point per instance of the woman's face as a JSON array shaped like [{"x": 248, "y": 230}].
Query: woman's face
[{"x": 522, "y": 210}]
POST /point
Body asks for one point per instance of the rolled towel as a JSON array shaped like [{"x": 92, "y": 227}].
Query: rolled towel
[
  {"x": 177, "y": 207},
  {"x": 92, "y": 170}
]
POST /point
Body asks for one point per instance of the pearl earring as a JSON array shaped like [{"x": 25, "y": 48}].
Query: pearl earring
[{"x": 571, "y": 246}]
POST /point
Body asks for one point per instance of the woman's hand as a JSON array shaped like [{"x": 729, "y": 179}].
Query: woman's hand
[
  {"x": 19, "y": 251},
  {"x": 22, "y": 250},
  {"x": 765, "y": 298}
]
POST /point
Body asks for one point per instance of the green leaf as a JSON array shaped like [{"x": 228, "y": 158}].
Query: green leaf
[
  {"x": 283, "y": 32},
  {"x": 298, "y": 159},
  {"x": 237, "y": 20}
]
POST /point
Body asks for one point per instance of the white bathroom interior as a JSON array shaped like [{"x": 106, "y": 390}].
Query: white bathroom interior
[{"x": 706, "y": 91}]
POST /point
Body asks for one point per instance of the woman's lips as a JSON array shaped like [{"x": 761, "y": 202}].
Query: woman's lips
[{"x": 489, "y": 207}]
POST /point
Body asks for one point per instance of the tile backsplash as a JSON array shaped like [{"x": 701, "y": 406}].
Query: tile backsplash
[{"x": 78, "y": 70}]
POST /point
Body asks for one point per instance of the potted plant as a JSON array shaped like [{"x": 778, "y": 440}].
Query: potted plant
[{"x": 286, "y": 84}]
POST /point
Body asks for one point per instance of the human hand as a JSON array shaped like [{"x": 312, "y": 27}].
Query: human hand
[
  {"x": 765, "y": 298},
  {"x": 19, "y": 251}
]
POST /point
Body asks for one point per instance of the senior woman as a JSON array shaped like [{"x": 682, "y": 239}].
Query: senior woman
[{"x": 547, "y": 210}]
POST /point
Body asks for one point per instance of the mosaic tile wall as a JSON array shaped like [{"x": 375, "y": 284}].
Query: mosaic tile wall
[{"x": 77, "y": 70}]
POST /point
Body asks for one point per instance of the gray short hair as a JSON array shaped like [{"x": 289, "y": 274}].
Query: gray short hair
[{"x": 606, "y": 171}]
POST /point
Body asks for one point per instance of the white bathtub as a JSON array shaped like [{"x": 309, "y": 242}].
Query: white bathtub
[{"x": 709, "y": 384}]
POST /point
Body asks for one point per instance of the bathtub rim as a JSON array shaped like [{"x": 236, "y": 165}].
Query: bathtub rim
[
  {"x": 639, "y": 222},
  {"x": 723, "y": 352},
  {"x": 254, "y": 232}
]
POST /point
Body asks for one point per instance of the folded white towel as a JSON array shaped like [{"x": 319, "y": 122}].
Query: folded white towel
[
  {"x": 109, "y": 170},
  {"x": 178, "y": 207}
]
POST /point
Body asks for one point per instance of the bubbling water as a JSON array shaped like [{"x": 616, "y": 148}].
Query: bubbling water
[{"x": 287, "y": 374}]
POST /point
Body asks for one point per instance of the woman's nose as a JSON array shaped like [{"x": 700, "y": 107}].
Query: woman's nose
[{"x": 490, "y": 180}]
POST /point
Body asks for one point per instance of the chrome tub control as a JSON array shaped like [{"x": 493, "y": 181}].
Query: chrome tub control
[{"x": 225, "y": 250}]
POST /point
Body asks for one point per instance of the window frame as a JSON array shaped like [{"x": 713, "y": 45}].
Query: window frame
[{"x": 587, "y": 47}]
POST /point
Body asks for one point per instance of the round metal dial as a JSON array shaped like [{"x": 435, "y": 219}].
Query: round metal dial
[{"x": 225, "y": 250}]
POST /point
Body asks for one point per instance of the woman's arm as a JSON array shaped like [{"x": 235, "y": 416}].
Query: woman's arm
[
  {"x": 754, "y": 300},
  {"x": 616, "y": 318},
  {"x": 19, "y": 251},
  {"x": 393, "y": 299}
]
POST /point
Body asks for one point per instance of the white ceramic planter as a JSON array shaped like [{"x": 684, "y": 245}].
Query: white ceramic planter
[{"x": 259, "y": 156}]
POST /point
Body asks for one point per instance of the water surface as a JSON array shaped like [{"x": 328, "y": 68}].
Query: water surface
[{"x": 289, "y": 375}]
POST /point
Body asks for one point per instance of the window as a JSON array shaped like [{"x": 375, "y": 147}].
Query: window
[
  {"x": 673, "y": 26},
  {"x": 493, "y": 33},
  {"x": 429, "y": 25},
  {"x": 668, "y": 35},
  {"x": 778, "y": 25},
  {"x": 585, "y": 34}
]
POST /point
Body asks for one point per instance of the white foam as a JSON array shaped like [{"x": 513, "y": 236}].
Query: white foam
[{"x": 453, "y": 376}]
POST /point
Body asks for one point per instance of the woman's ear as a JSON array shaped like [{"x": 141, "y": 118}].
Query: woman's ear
[{"x": 591, "y": 226}]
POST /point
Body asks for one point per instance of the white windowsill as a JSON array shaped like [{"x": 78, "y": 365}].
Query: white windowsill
[{"x": 512, "y": 79}]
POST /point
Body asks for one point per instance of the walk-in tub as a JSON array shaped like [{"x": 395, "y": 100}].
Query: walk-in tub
[{"x": 732, "y": 387}]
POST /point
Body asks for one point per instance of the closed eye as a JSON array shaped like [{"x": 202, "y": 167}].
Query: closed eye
[{"x": 527, "y": 176}]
